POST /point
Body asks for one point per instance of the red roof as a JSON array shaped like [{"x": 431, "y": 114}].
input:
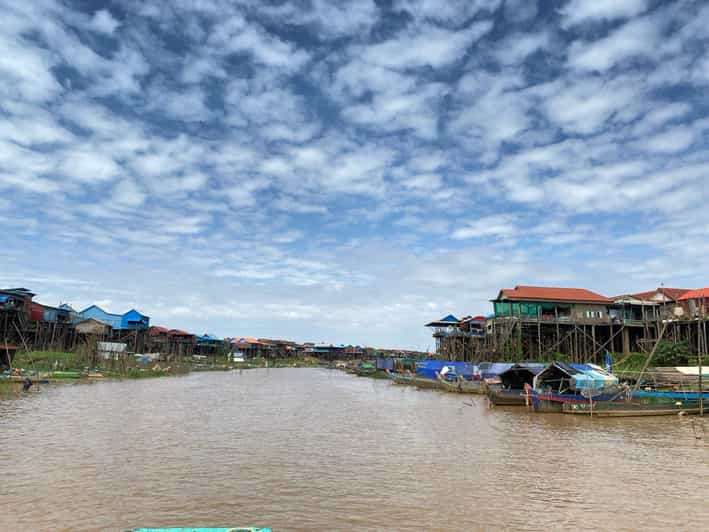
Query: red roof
[
  {"x": 480, "y": 318},
  {"x": 178, "y": 332},
  {"x": 156, "y": 329},
  {"x": 246, "y": 341},
  {"x": 672, "y": 293},
  {"x": 548, "y": 293},
  {"x": 699, "y": 293}
]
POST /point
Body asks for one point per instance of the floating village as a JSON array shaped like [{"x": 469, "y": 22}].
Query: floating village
[{"x": 548, "y": 349}]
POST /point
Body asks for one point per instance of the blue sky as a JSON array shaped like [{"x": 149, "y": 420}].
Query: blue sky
[{"x": 346, "y": 172}]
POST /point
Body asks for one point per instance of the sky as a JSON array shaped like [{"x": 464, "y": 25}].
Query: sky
[{"x": 346, "y": 172}]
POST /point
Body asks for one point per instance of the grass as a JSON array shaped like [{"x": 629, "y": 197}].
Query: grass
[
  {"x": 631, "y": 363},
  {"x": 46, "y": 360}
]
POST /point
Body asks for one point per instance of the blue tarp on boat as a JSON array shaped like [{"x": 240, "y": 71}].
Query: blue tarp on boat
[
  {"x": 428, "y": 368},
  {"x": 385, "y": 363},
  {"x": 493, "y": 369}
]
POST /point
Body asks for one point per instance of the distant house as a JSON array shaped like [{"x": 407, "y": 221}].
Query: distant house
[
  {"x": 208, "y": 344},
  {"x": 650, "y": 305},
  {"x": 45, "y": 313},
  {"x": 92, "y": 326},
  {"x": 541, "y": 303},
  {"x": 131, "y": 320},
  {"x": 16, "y": 300}
]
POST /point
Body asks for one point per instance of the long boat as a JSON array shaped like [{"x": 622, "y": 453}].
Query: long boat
[
  {"x": 460, "y": 385},
  {"x": 508, "y": 388},
  {"x": 632, "y": 408},
  {"x": 554, "y": 402},
  {"x": 498, "y": 395},
  {"x": 33, "y": 378},
  {"x": 412, "y": 379}
]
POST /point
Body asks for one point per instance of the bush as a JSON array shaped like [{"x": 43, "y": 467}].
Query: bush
[{"x": 671, "y": 354}]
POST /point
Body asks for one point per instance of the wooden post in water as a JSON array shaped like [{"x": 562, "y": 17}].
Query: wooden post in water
[{"x": 699, "y": 360}]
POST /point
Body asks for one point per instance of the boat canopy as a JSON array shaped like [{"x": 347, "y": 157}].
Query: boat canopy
[
  {"x": 520, "y": 374},
  {"x": 560, "y": 376},
  {"x": 493, "y": 369},
  {"x": 429, "y": 368}
]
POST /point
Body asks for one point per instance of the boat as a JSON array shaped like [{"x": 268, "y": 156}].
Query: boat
[
  {"x": 508, "y": 388},
  {"x": 561, "y": 383},
  {"x": 632, "y": 408},
  {"x": 412, "y": 379},
  {"x": 460, "y": 384},
  {"x": 366, "y": 369},
  {"x": 65, "y": 374},
  {"x": 34, "y": 379}
]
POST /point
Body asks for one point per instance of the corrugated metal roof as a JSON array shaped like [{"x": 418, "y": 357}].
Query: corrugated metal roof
[
  {"x": 550, "y": 293},
  {"x": 672, "y": 293}
]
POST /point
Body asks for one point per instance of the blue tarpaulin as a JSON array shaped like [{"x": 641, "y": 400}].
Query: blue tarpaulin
[
  {"x": 428, "y": 368},
  {"x": 385, "y": 363}
]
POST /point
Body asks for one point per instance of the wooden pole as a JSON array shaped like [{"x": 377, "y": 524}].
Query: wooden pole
[
  {"x": 699, "y": 360},
  {"x": 649, "y": 357}
]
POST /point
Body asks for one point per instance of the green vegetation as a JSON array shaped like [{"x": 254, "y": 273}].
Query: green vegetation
[
  {"x": 629, "y": 365},
  {"x": 47, "y": 360},
  {"x": 671, "y": 354}
]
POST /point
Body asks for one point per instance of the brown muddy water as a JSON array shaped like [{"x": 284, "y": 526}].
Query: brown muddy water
[{"x": 315, "y": 449}]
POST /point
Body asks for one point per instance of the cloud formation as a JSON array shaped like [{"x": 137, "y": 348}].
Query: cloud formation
[{"x": 345, "y": 171}]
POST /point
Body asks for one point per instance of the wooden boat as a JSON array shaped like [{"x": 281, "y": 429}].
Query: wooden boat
[
  {"x": 424, "y": 382},
  {"x": 498, "y": 395},
  {"x": 92, "y": 375},
  {"x": 400, "y": 378},
  {"x": 509, "y": 387},
  {"x": 366, "y": 369},
  {"x": 460, "y": 385},
  {"x": 631, "y": 408},
  {"x": 554, "y": 402},
  {"x": 66, "y": 374},
  {"x": 33, "y": 378}
]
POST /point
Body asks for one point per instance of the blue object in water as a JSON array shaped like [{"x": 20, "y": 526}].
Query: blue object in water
[{"x": 232, "y": 529}]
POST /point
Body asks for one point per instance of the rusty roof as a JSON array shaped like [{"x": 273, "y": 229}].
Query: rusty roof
[
  {"x": 550, "y": 293},
  {"x": 672, "y": 293}
]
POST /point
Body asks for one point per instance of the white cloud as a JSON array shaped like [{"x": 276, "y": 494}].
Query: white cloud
[
  {"x": 424, "y": 46},
  {"x": 673, "y": 140},
  {"x": 580, "y": 11},
  {"x": 636, "y": 38},
  {"x": 103, "y": 22},
  {"x": 127, "y": 193}
]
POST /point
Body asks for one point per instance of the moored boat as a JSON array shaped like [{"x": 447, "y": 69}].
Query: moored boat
[
  {"x": 366, "y": 369},
  {"x": 632, "y": 408},
  {"x": 509, "y": 388},
  {"x": 34, "y": 379},
  {"x": 561, "y": 383},
  {"x": 460, "y": 384},
  {"x": 66, "y": 374}
]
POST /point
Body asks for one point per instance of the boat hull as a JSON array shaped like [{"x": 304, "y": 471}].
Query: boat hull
[
  {"x": 632, "y": 409},
  {"x": 461, "y": 386},
  {"x": 507, "y": 397}
]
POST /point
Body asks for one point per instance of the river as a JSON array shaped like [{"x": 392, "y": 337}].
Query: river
[{"x": 317, "y": 449}]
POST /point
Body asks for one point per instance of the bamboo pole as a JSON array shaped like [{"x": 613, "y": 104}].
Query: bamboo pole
[{"x": 649, "y": 357}]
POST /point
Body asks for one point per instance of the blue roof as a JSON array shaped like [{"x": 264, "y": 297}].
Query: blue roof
[
  {"x": 450, "y": 318},
  {"x": 4, "y": 298}
]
